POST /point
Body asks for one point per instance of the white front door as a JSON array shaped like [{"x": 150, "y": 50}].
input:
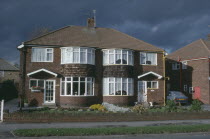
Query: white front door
[
  {"x": 49, "y": 91},
  {"x": 142, "y": 91}
]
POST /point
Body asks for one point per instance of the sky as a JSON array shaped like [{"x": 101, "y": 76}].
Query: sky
[{"x": 168, "y": 24}]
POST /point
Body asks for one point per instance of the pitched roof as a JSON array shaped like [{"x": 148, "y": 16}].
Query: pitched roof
[
  {"x": 4, "y": 65},
  {"x": 197, "y": 49},
  {"x": 92, "y": 37}
]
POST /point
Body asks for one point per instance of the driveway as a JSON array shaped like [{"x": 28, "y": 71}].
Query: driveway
[{"x": 12, "y": 105}]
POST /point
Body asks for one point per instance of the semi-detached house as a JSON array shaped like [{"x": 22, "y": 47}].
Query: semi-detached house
[{"x": 84, "y": 65}]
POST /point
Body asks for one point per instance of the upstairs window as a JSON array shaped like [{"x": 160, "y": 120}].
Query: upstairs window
[
  {"x": 77, "y": 55},
  {"x": 117, "y": 57},
  {"x": 42, "y": 55},
  {"x": 148, "y": 58},
  {"x": 184, "y": 65},
  {"x": 175, "y": 66}
]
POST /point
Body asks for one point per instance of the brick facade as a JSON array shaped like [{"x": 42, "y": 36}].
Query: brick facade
[
  {"x": 196, "y": 75},
  {"x": 98, "y": 71}
]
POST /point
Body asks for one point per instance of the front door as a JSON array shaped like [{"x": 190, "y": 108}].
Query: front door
[
  {"x": 142, "y": 91},
  {"x": 49, "y": 92},
  {"x": 197, "y": 93}
]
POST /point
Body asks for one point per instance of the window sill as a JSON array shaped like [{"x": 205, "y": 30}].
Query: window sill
[
  {"x": 118, "y": 95},
  {"x": 117, "y": 65},
  {"x": 147, "y": 65},
  {"x": 77, "y": 63}
]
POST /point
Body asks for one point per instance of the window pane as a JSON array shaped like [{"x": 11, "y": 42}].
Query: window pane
[
  {"x": 118, "y": 86},
  {"x": 111, "y": 58},
  {"x": 105, "y": 57},
  {"x": 89, "y": 58},
  {"x": 149, "y": 85},
  {"x": 68, "y": 88},
  {"x": 142, "y": 58},
  {"x": 118, "y": 58},
  {"x": 75, "y": 79},
  {"x": 75, "y": 88},
  {"x": 33, "y": 83},
  {"x": 154, "y": 85},
  {"x": 49, "y": 56},
  {"x": 62, "y": 88},
  {"x": 68, "y": 55},
  {"x": 83, "y": 57},
  {"x": 82, "y": 79},
  {"x": 68, "y": 79},
  {"x": 41, "y": 83},
  {"x": 76, "y": 57},
  {"x": 111, "y": 88},
  {"x": 124, "y": 88},
  {"x": 89, "y": 88},
  {"x": 124, "y": 58},
  {"x": 151, "y": 58},
  {"x": 82, "y": 88}
]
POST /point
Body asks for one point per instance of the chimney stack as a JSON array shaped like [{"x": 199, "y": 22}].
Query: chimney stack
[{"x": 91, "y": 22}]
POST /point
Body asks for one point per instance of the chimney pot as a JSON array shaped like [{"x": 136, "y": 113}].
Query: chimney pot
[{"x": 91, "y": 22}]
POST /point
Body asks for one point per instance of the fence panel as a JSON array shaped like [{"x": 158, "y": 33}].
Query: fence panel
[{"x": 2, "y": 111}]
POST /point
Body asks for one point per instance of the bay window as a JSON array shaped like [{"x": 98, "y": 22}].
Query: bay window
[
  {"x": 118, "y": 86},
  {"x": 117, "y": 56},
  {"x": 77, "y": 55},
  {"x": 77, "y": 86},
  {"x": 148, "y": 58},
  {"x": 42, "y": 55}
]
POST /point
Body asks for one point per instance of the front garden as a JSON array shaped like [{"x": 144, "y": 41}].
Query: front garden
[{"x": 108, "y": 113}]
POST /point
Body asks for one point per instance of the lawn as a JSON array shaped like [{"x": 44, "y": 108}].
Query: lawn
[{"x": 112, "y": 131}]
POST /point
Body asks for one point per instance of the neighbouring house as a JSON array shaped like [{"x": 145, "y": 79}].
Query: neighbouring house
[
  {"x": 84, "y": 65},
  {"x": 8, "y": 71},
  {"x": 188, "y": 70}
]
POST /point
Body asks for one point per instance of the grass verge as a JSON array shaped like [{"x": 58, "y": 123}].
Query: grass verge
[{"x": 112, "y": 131}]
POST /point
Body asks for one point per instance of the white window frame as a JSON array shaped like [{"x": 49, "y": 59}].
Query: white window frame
[
  {"x": 152, "y": 85},
  {"x": 145, "y": 53},
  {"x": 185, "y": 88},
  {"x": 184, "y": 64},
  {"x": 88, "y": 50},
  {"x": 1, "y": 73},
  {"x": 128, "y": 81},
  {"x": 37, "y": 80},
  {"x": 71, "y": 82},
  {"x": 176, "y": 66},
  {"x": 129, "y": 56},
  {"x": 191, "y": 89},
  {"x": 45, "y": 49}
]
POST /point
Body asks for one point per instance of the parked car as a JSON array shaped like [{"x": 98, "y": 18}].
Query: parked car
[{"x": 177, "y": 96}]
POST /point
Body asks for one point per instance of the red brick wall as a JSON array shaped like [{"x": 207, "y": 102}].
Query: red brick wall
[{"x": 97, "y": 72}]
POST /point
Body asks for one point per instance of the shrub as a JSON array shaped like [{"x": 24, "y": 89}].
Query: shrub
[
  {"x": 97, "y": 107},
  {"x": 8, "y": 90},
  {"x": 138, "y": 108},
  {"x": 170, "y": 106},
  {"x": 196, "y": 105}
]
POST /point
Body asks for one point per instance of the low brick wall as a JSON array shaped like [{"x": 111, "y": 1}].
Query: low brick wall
[{"x": 101, "y": 117}]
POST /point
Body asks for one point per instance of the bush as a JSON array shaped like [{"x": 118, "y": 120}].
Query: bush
[
  {"x": 8, "y": 90},
  {"x": 97, "y": 107},
  {"x": 170, "y": 106},
  {"x": 138, "y": 108},
  {"x": 196, "y": 105}
]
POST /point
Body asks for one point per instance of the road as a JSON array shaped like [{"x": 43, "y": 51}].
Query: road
[{"x": 5, "y": 128}]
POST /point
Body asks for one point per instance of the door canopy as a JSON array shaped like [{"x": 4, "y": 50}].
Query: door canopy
[
  {"x": 42, "y": 72},
  {"x": 151, "y": 72}
]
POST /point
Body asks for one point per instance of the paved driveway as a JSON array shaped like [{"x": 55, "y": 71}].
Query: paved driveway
[{"x": 11, "y": 105}]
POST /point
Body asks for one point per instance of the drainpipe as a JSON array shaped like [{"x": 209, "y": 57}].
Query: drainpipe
[
  {"x": 180, "y": 74},
  {"x": 22, "y": 75},
  {"x": 164, "y": 75}
]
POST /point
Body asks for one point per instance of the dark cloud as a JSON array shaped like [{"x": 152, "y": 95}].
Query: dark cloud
[{"x": 167, "y": 24}]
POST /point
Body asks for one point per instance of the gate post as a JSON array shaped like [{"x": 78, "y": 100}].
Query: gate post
[{"x": 2, "y": 110}]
